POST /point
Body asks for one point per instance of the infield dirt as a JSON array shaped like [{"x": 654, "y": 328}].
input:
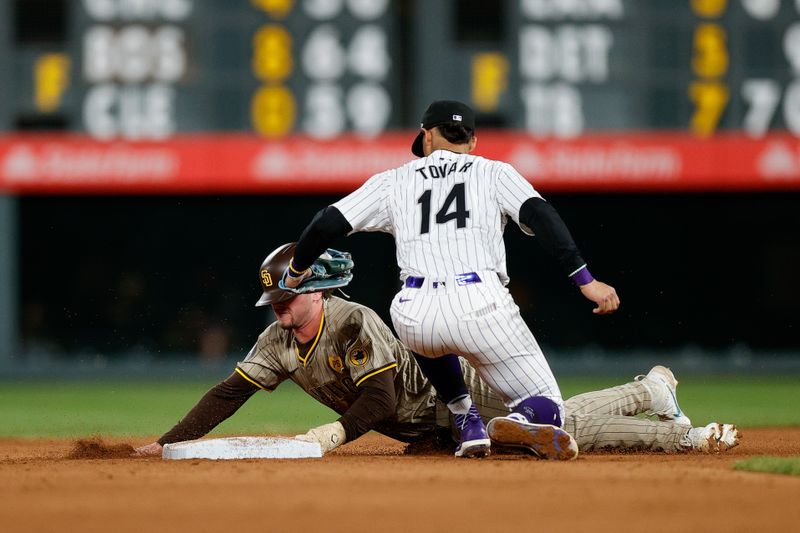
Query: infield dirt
[{"x": 369, "y": 485}]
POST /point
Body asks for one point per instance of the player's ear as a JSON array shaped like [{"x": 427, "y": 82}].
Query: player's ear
[
  {"x": 427, "y": 141},
  {"x": 473, "y": 142}
]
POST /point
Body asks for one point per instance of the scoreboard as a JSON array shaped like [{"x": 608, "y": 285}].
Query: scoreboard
[
  {"x": 147, "y": 69},
  {"x": 227, "y": 96},
  {"x": 563, "y": 68}
]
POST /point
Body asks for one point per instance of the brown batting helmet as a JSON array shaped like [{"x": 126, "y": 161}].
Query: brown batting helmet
[{"x": 271, "y": 272}]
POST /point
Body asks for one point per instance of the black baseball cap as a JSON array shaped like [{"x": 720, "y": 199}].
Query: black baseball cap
[{"x": 439, "y": 112}]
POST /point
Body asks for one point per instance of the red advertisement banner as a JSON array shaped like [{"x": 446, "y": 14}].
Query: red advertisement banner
[{"x": 240, "y": 163}]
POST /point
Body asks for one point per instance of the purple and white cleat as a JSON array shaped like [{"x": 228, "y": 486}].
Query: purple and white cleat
[
  {"x": 474, "y": 441},
  {"x": 543, "y": 440}
]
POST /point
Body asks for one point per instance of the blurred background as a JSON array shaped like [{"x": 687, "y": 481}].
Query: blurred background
[{"x": 153, "y": 152}]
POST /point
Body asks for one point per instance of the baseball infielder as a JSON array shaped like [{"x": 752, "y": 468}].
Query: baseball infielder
[
  {"x": 343, "y": 355},
  {"x": 447, "y": 212}
]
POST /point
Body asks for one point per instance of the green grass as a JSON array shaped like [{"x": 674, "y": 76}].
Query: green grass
[
  {"x": 771, "y": 465},
  {"x": 135, "y": 408},
  {"x": 76, "y": 409}
]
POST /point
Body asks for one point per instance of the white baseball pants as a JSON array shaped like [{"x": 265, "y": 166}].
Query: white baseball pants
[{"x": 480, "y": 322}]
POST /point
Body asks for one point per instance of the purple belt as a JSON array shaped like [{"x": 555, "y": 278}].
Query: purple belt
[{"x": 413, "y": 282}]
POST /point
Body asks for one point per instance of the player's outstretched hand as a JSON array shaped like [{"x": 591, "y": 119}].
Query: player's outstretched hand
[
  {"x": 148, "y": 450},
  {"x": 329, "y": 436},
  {"x": 605, "y": 296}
]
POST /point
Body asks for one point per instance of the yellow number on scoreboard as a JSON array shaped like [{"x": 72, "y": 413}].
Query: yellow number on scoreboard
[
  {"x": 710, "y": 99},
  {"x": 710, "y": 58},
  {"x": 709, "y": 8},
  {"x": 272, "y": 53},
  {"x": 273, "y": 111},
  {"x": 276, "y": 8},
  {"x": 51, "y": 75},
  {"x": 489, "y": 80}
]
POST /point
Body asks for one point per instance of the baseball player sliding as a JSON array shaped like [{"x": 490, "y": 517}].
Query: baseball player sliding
[
  {"x": 447, "y": 212},
  {"x": 345, "y": 356}
]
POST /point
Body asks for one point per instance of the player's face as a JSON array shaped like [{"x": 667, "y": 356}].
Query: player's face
[{"x": 297, "y": 312}]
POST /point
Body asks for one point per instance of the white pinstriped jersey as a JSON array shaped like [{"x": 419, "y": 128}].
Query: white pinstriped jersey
[{"x": 447, "y": 212}]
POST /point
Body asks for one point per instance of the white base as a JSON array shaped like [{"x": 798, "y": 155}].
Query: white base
[{"x": 242, "y": 448}]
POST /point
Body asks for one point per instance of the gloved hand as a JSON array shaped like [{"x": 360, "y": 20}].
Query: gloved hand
[
  {"x": 292, "y": 279},
  {"x": 333, "y": 269},
  {"x": 329, "y": 436}
]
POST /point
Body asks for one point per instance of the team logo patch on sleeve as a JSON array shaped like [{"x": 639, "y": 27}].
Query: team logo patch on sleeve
[
  {"x": 358, "y": 355},
  {"x": 336, "y": 363},
  {"x": 266, "y": 278}
]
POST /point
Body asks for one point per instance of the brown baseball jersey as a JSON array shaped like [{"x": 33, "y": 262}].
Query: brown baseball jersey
[{"x": 352, "y": 345}]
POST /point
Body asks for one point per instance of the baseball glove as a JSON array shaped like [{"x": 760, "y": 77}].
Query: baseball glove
[{"x": 333, "y": 269}]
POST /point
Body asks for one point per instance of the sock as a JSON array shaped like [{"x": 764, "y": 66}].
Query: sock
[
  {"x": 446, "y": 376},
  {"x": 460, "y": 406},
  {"x": 538, "y": 410},
  {"x": 658, "y": 394}
]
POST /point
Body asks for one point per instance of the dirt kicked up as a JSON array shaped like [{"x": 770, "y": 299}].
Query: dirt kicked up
[{"x": 369, "y": 485}]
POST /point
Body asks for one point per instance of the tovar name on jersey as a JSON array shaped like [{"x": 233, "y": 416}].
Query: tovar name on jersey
[{"x": 442, "y": 171}]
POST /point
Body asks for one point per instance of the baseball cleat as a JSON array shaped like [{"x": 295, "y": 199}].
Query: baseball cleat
[
  {"x": 473, "y": 441},
  {"x": 543, "y": 440},
  {"x": 661, "y": 383},
  {"x": 713, "y": 438}
]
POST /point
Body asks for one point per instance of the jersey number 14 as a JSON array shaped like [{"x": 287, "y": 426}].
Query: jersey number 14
[{"x": 460, "y": 213}]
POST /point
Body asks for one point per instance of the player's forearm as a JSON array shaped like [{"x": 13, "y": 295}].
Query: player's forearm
[
  {"x": 216, "y": 405},
  {"x": 328, "y": 225},
  {"x": 375, "y": 404},
  {"x": 552, "y": 234}
]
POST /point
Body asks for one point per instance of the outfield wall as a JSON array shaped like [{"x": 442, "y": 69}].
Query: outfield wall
[{"x": 113, "y": 277}]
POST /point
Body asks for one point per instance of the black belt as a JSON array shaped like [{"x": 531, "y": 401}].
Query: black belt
[{"x": 413, "y": 282}]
